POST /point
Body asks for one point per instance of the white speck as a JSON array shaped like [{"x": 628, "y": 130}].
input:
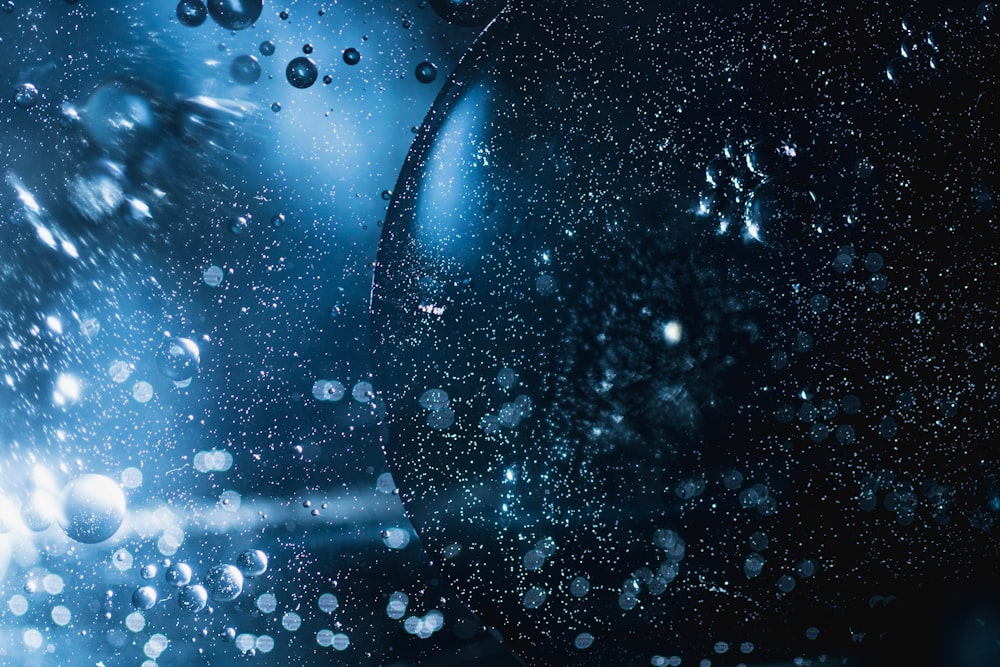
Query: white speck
[{"x": 673, "y": 332}]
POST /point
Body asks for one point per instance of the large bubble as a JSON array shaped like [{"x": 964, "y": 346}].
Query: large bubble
[
  {"x": 224, "y": 583},
  {"x": 178, "y": 358},
  {"x": 681, "y": 350},
  {"x": 235, "y": 14},
  {"x": 93, "y": 508},
  {"x": 123, "y": 119}
]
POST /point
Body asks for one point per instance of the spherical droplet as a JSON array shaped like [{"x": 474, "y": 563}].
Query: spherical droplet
[
  {"x": 144, "y": 598},
  {"x": 426, "y": 72},
  {"x": 252, "y": 562},
  {"x": 307, "y": 49},
  {"x": 301, "y": 72},
  {"x": 193, "y": 598},
  {"x": 327, "y": 79},
  {"x": 224, "y": 583},
  {"x": 470, "y": 13},
  {"x": 191, "y": 13},
  {"x": 245, "y": 70},
  {"x": 178, "y": 575},
  {"x": 8, "y": 7},
  {"x": 93, "y": 508},
  {"x": 238, "y": 224},
  {"x": 276, "y": 107},
  {"x": 278, "y": 220},
  {"x": 178, "y": 358},
  {"x": 235, "y": 14},
  {"x": 352, "y": 56},
  {"x": 26, "y": 96},
  {"x": 122, "y": 119},
  {"x": 266, "y": 48}
]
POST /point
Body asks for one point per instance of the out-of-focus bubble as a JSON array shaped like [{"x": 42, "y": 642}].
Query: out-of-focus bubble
[
  {"x": 93, "y": 508},
  {"x": 26, "y": 95},
  {"x": 469, "y": 13},
  {"x": 191, "y": 13},
  {"x": 122, "y": 118},
  {"x": 266, "y": 48},
  {"x": 144, "y": 598},
  {"x": 192, "y": 598},
  {"x": 238, "y": 225},
  {"x": 301, "y": 72},
  {"x": 352, "y": 56},
  {"x": 235, "y": 14},
  {"x": 224, "y": 582},
  {"x": 252, "y": 562},
  {"x": 148, "y": 571},
  {"x": 213, "y": 276},
  {"x": 178, "y": 358},
  {"x": 97, "y": 193},
  {"x": 278, "y": 220},
  {"x": 426, "y": 72},
  {"x": 244, "y": 69}
]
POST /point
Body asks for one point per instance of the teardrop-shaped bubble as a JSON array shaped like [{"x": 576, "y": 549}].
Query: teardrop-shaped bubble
[
  {"x": 224, "y": 582},
  {"x": 235, "y": 14},
  {"x": 93, "y": 508},
  {"x": 178, "y": 358}
]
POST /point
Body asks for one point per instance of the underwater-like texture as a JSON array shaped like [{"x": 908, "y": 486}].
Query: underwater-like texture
[{"x": 684, "y": 321}]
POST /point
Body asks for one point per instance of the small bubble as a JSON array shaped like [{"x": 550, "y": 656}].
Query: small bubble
[
  {"x": 26, "y": 96},
  {"x": 307, "y": 49},
  {"x": 238, "y": 225},
  {"x": 8, "y": 7},
  {"x": 191, "y": 13},
  {"x": 352, "y": 56},
  {"x": 277, "y": 220},
  {"x": 301, "y": 72},
  {"x": 327, "y": 79},
  {"x": 266, "y": 48},
  {"x": 283, "y": 15},
  {"x": 276, "y": 107},
  {"x": 426, "y": 72}
]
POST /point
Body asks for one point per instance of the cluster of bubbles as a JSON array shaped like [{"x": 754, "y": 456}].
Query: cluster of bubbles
[
  {"x": 222, "y": 582},
  {"x": 436, "y": 402},
  {"x": 89, "y": 509},
  {"x": 927, "y": 50},
  {"x": 901, "y": 497},
  {"x": 757, "y": 189}
]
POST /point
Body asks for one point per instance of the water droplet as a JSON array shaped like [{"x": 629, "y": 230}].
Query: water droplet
[
  {"x": 266, "y": 48},
  {"x": 352, "y": 56},
  {"x": 301, "y": 72},
  {"x": 178, "y": 575},
  {"x": 245, "y": 70},
  {"x": 276, "y": 107},
  {"x": 224, "y": 583},
  {"x": 93, "y": 508},
  {"x": 235, "y": 14},
  {"x": 426, "y": 72},
  {"x": 192, "y": 598},
  {"x": 178, "y": 358},
  {"x": 26, "y": 96},
  {"x": 191, "y": 13},
  {"x": 252, "y": 562},
  {"x": 144, "y": 598}
]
